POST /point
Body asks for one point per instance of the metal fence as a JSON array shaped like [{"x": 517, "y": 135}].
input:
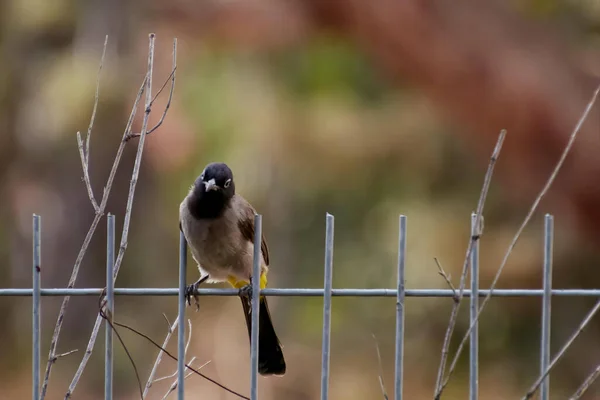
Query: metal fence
[{"x": 400, "y": 292}]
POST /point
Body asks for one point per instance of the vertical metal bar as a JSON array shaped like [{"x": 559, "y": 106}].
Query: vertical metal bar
[
  {"x": 37, "y": 270},
  {"x": 181, "y": 317},
  {"x": 474, "y": 339},
  {"x": 110, "y": 306},
  {"x": 546, "y": 304},
  {"x": 328, "y": 279},
  {"x": 256, "y": 270},
  {"x": 400, "y": 308}
]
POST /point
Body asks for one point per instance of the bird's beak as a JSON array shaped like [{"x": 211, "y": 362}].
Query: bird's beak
[{"x": 210, "y": 185}]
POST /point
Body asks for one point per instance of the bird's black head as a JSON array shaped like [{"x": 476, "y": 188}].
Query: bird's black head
[{"x": 212, "y": 191}]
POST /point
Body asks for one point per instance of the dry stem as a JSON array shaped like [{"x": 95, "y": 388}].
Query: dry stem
[
  {"x": 447, "y": 279},
  {"x": 85, "y": 155},
  {"x": 463, "y": 278},
  {"x": 128, "y": 209},
  {"x": 563, "y": 350},
  {"x": 586, "y": 384},
  {"x": 86, "y": 242},
  {"x": 381, "y": 383},
  {"x": 174, "y": 384},
  {"x": 151, "y": 379},
  {"x": 168, "y": 105},
  {"x": 528, "y": 217}
]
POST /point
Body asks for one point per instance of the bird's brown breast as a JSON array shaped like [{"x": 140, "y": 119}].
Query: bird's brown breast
[{"x": 217, "y": 244}]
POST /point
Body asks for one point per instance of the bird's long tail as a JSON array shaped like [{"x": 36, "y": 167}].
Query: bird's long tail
[{"x": 270, "y": 355}]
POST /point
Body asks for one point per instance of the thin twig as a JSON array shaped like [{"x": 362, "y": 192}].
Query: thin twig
[
  {"x": 151, "y": 379},
  {"x": 172, "y": 375},
  {"x": 168, "y": 322},
  {"x": 171, "y": 78},
  {"x": 85, "y": 245},
  {"x": 447, "y": 279},
  {"x": 174, "y": 384},
  {"x": 109, "y": 319},
  {"x": 68, "y": 353},
  {"x": 85, "y": 157},
  {"x": 86, "y": 173},
  {"x": 381, "y": 383},
  {"x": 528, "y": 217},
  {"x": 96, "y": 97},
  {"x": 184, "y": 352},
  {"x": 187, "y": 345},
  {"x": 563, "y": 350},
  {"x": 128, "y": 209},
  {"x": 586, "y": 384},
  {"x": 463, "y": 278},
  {"x": 171, "y": 356}
]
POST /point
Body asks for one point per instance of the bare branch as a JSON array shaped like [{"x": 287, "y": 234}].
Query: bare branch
[
  {"x": 174, "y": 384},
  {"x": 381, "y": 383},
  {"x": 96, "y": 97},
  {"x": 170, "y": 78},
  {"x": 171, "y": 356},
  {"x": 175, "y": 372},
  {"x": 85, "y": 155},
  {"x": 447, "y": 279},
  {"x": 129, "y": 207},
  {"x": 109, "y": 320},
  {"x": 454, "y": 315},
  {"x": 86, "y": 175},
  {"x": 528, "y": 217},
  {"x": 168, "y": 322},
  {"x": 586, "y": 384},
  {"x": 85, "y": 245},
  {"x": 151, "y": 379},
  {"x": 563, "y": 350},
  {"x": 105, "y": 317},
  {"x": 187, "y": 345},
  {"x": 64, "y": 354}
]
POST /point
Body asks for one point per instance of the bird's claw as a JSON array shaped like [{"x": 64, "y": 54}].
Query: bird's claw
[
  {"x": 190, "y": 291},
  {"x": 246, "y": 291}
]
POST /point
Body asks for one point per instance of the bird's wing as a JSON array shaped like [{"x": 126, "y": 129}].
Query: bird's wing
[{"x": 246, "y": 226}]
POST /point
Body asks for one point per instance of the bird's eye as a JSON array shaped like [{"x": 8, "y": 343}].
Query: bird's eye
[
  {"x": 227, "y": 183},
  {"x": 202, "y": 176}
]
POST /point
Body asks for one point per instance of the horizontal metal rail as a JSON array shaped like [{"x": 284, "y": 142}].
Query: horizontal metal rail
[{"x": 300, "y": 292}]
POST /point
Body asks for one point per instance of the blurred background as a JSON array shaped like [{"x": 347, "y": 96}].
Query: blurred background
[{"x": 364, "y": 109}]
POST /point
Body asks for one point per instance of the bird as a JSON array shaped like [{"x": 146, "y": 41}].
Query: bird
[{"x": 218, "y": 225}]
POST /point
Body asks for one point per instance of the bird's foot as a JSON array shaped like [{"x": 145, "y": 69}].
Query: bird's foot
[
  {"x": 190, "y": 291},
  {"x": 246, "y": 291}
]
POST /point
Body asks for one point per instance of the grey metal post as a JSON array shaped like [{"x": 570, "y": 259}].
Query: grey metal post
[
  {"x": 110, "y": 306},
  {"x": 181, "y": 317},
  {"x": 474, "y": 309},
  {"x": 400, "y": 308},
  {"x": 546, "y": 304},
  {"x": 37, "y": 270},
  {"x": 256, "y": 270},
  {"x": 328, "y": 279}
]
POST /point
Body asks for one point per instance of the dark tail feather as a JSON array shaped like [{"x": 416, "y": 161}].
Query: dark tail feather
[{"x": 270, "y": 355}]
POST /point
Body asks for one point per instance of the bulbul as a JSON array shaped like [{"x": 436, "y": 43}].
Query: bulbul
[{"x": 218, "y": 225}]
